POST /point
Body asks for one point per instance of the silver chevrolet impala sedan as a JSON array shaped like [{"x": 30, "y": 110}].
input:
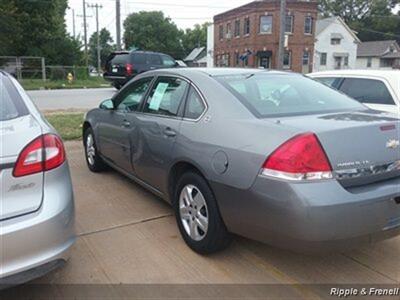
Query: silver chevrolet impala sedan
[
  {"x": 273, "y": 156},
  {"x": 36, "y": 199}
]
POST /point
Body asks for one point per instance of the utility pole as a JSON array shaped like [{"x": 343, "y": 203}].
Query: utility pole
[
  {"x": 282, "y": 25},
  {"x": 85, "y": 33},
  {"x": 118, "y": 20},
  {"x": 97, "y": 6},
  {"x": 73, "y": 22}
]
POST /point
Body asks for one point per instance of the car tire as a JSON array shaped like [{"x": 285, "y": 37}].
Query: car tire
[
  {"x": 198, "y": 216},
  {"x": 94, "y": 162}
]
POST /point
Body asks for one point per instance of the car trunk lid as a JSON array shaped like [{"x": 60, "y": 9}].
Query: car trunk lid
[
  {"x": 20, "y": 195},
  {"x": 362, "y": 147}
]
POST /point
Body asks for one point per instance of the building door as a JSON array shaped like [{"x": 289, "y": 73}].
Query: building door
[
  {"x": 264, "y": 62},
  {"x": 338, "y": 62}
]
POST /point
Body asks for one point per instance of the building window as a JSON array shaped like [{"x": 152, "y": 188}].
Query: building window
[
  {"x": 306, "y": 58},
  {"x": 369, "y": 62},
  {"x": 246, "y": 26},
  {"x": 323, "y": 59},
  {"x": 287, "y": 59},
  {"x": 228, "y": 31},
  {"x": 221, "y": 32},
  {"x": 289, "y": 24},
  {"x": 335, "y": 41},
  {"x": 308, "y": 24},
  {"x": 266, "y": 24},
  {"x": 346, "y": 61},
  {"x": 237, "y": 28}
]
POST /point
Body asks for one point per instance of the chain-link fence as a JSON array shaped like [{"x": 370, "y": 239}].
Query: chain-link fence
[{"x": 35, "y": 68}]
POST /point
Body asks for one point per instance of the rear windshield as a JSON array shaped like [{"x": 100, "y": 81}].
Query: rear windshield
[
  {"x": 268, "y": 95},
  {"x": 11, "y": 104},
  {"x": 120, "y": 59}
]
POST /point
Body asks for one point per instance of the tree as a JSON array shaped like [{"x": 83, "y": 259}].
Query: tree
[
  {"x": 153, "y": 32},
  {"x": 37, "y": 28},
  {"x": 372, "y": 19},
  {"x": 106, "y": 47},
  {"x": 196, "y": 37}
]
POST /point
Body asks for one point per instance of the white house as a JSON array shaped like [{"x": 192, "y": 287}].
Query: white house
[
  {"x": 378, "y": 55},
  {"x": 210, "y": 46},
  {"x": 335, "y": 45}
]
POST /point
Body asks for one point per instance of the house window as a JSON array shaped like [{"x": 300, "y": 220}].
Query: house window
[
  {"x": 287, "y": 59},
  {"x": 369, "y": 62},
  {"x": 346, "y": 61},
  {"x": 386, "y": 63},
  {"x": 289, "y": 24},
  {"x": 246, "y": 26},
  {"x": 228, "y": 31},
  {"x": 266, "y": 24},
  {"x": 335, "y": 41},
  {"x": 221, "y": 32},
  {"x": 306, "y": 58},
  {"x": 323, "y": 58},
  {"x": 237, "y": 28},
  {"x": 308, "y": 24}
]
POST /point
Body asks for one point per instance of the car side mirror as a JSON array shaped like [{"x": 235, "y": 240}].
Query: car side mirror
[{"x": 107, "y": 105}]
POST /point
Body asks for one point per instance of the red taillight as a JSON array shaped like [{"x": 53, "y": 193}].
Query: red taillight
[
  {"x": 42, "y": 154},
  {"x": 300, "y": 158},
  {"x": 129, "y": 69}
]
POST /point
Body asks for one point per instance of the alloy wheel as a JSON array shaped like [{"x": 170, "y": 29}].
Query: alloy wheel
[{"x": 193, "y": 212}]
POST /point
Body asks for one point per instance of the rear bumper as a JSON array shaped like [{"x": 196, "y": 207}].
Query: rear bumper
[
  {"x": 311, "y": 216},
  {"x": 118, "y": 79},
  {"x": 40, "y": 240}
]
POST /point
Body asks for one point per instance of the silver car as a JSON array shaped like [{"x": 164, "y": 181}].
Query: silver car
[
  {"x": 273, "y": 156},
  {"x": 37, "y": 207}
]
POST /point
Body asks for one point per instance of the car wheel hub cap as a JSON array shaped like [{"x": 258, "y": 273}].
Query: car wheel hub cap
[
  {"x": 90, "y": 150},
  {"x": 193, "y": 212}
]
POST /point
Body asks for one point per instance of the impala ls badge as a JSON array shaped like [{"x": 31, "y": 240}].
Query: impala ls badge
[{"x": 393, "y": 144}]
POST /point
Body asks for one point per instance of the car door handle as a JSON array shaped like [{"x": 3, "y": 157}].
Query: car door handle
[
  {"x": 126, "y": 124},
  {"x": 169, "y": 132}
]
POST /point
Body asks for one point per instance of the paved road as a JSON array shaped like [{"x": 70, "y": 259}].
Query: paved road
[
  {"x": 127, "y": 235},
  {"x": 79, "y": 99}
]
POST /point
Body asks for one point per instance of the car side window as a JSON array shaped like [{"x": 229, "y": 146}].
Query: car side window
[
  {"x": 167, "y": 61},
  {"x": 154, "y": 59},
  {"x": 329, "y": 81},
  {"x": 194, "y": 105},
  {"x": 370, "y": 91},
  {"x": 166, "y": 96},
  {"x": 134, "y": 94},
  {"x": 139, "y": 59}
]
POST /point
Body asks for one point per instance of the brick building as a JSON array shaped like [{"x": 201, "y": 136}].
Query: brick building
[{"x": 248, "y": 36}]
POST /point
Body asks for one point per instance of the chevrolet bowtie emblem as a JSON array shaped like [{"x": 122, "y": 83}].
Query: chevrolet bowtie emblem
[{"x": 393, "y": 144}]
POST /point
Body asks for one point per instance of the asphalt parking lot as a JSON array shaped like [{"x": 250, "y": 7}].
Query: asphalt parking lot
[{"x": 127, "y": 235}]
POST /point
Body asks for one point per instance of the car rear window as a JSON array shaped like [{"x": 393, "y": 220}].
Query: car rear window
[
  {"x": 11, "y": 103},
  {"x": 268, "y": 95},
  {"x": 120, "y": 59},
  {"x": 369, "y": 91}
]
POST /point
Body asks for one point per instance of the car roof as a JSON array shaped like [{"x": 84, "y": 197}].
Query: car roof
[
  {"x": 213, "y": 72},
  {"x": 389, "y": 74}
]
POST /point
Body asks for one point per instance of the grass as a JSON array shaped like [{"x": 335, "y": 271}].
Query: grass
[
  {"x": 68, "y": 125},
  {"x": 38, "y": 84}
]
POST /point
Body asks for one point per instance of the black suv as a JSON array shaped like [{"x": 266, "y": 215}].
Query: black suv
[{"x": 122, "y": 66}]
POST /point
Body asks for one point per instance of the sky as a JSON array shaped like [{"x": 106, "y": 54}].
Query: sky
[{"x": 185, "y": 14}]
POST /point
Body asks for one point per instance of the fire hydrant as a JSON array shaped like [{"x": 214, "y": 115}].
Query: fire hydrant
[{"x": 70, "y": 77}]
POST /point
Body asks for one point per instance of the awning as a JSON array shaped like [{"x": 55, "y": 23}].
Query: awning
[
  {"x": 264, "y": 53},
  {"x": 340, "y": 54}
]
